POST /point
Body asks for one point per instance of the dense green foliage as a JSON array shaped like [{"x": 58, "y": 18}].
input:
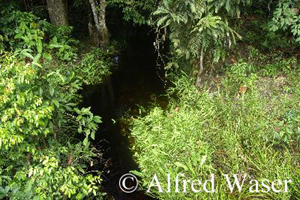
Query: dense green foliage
[
  {"x": 25, "y": 33},
  {"x": 95, "y": 65},
  {"x": 198, "y": 28},
  {"x": 137, "y": 11},
  {"x": 41, "y": 157},
  {"x": 246, "y": 122},
  {"x": 286, "y": 17}
]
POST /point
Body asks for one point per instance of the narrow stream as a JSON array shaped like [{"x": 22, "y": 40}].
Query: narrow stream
[{"x": 136, "y": 82}]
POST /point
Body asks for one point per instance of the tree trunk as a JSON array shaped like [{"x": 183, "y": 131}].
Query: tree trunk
[
  {"x": 198, "y": 82},
  {"x": 58, "y": 12},
  {"x": 103, "y": 28},
  {"x": 102, "y": 36}
]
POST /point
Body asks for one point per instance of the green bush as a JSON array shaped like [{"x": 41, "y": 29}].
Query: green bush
[
  {"x": 95, "y": 65},
  {"x": 286, "y": 18},
  {"x": 24, "y": 33},
  {"x": 247, "y": 124},
  {"x": 40, "y": 155}
]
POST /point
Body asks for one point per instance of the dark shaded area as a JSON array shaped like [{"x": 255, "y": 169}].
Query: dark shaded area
[{"x": 136, "y": 82}]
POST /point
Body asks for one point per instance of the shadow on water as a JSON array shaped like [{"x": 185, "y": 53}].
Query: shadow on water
[{"x": 136, "y": 82}]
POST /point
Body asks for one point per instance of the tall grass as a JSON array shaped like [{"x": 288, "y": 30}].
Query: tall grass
[{"x": 248, "y": 123}]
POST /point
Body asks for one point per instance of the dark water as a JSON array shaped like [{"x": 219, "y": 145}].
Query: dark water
[{"x": 136, "y": 82}]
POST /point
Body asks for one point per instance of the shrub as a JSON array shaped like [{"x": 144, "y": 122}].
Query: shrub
[
  {"x": 40, "y": 155},
  {"x": 95, "y": 65},
  {"x": 25, "y": 33}
]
